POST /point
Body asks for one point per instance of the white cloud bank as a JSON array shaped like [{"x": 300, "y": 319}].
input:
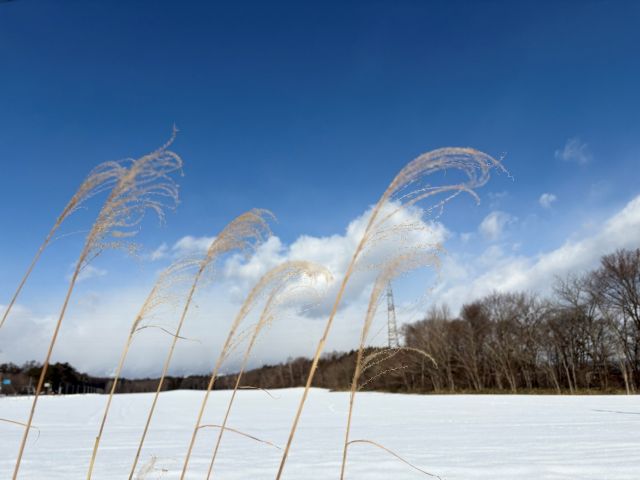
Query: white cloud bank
[
  {"x": 497, "y": 270},
  {"x": 97, "y": 324}
]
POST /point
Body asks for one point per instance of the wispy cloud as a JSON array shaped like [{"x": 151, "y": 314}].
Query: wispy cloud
[
  {"x": 497, "y": 198},
  {"x": 89, "y": 271},
  {"x": 546, "y": 199},
  {"x": 575, "y": 150},
  {"x": 494, "y": 224},
  {"x": 189, "y": 245},
  {"x": 497, "y": 270},
  {"x": 159, "y": 253}
]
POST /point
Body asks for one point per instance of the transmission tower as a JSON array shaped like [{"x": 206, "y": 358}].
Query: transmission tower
[{"x": 394, "y": 342}]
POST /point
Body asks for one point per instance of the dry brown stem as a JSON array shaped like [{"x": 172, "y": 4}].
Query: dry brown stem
[
  {"x": 233, "y": 430},
  {"x": 391, "y": 452}
]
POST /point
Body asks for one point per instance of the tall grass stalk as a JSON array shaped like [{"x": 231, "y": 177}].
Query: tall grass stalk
[
  {"x": 145, "y": 184},
  {"x": 406, "y": 190},
  {"x": 242, "y": 434},
  {"x": 100, "y": 179},
  {"x": 271, "y": 284},
  {"x": 394, "y": 454},
  {"x": 159, "y": 294},
  {"x": 243, "y": 233},
  {"x": 398, "y": 264},
  {"x": 286, "y": 287}
]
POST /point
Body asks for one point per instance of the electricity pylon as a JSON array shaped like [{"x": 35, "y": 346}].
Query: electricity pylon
[{"x": 392, "y": 326}]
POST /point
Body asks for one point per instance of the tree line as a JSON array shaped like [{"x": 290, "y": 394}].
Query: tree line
[
  {"x": 586, "y": 336},
  {"x": 583, "y": 337},
  {"x": 61, "y": 378}
]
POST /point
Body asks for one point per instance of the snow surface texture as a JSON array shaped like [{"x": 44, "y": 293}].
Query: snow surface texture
[{"x": 455, "y": 436}]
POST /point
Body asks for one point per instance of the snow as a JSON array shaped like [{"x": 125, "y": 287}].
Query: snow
[{"x": 454, "y": 436}]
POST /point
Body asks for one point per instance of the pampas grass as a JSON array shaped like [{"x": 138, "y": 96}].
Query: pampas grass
[
  {"x": 405, "y": 190},
  {"x": 397, "y": 265},
  {"x": 102, "y": 178},
  {"x": 244, "y": 233},
  {"x": 138, "y": 186},
  {"x": 285, "y": 281},
  {"x": 160, "y": 293},
  {"x": 273, "y": 285}
]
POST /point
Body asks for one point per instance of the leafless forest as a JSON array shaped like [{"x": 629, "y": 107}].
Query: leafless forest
[{"x": 584, "y": 337}]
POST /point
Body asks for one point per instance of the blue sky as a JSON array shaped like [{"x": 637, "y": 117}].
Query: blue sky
[{"x": 309, "y": 110}]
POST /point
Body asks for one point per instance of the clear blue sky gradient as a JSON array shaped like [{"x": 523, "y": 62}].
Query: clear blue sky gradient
[{"x": 309, "y": 109}]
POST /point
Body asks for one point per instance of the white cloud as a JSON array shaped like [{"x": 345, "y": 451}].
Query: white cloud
[
  {"x": 185, "y": 246},
  {"x": 497, "y": 198},
  {"x": 189, "y": 245},
  {"x": 576, "y": 151},
  {"x": 494, "y": 224},
  {"x": 335, "y": 252},
  {"x": 159, "y": 253},
  {"x": 466, "y": 237},
  {"x": 107, "y": 316},
  {"x": 88, "y": 272},
  {"x": 496, "y": 271},
  {"x": 546, "y": 199},
  {"x": 97, "y": 324}
]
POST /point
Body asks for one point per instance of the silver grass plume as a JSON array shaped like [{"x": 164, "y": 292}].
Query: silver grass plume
[
  {"x": 407, "y": 189},
  {"x": 280, "y": 284},
  {"x": 139, "y": 185},
  {"x": 412, "y": 258},
  {"x": 244, "y": 234},
  {"x": 101, "y": 178}
]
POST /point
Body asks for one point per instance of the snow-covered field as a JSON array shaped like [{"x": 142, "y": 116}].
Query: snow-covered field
[{"x": 456, "y": 437}]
